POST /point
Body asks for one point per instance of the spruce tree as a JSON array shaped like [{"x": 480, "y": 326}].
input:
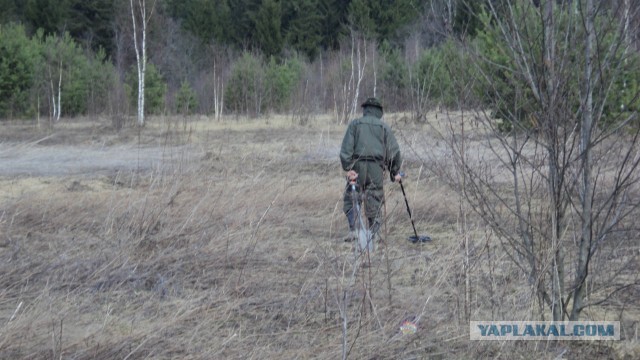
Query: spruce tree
[
  {"x": 268, "y": 20},
  {"x": 303, "y": 25}
]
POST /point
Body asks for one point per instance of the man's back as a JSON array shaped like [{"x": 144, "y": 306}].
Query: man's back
[
  {"x": 369, "y": 138},
  {"x": 368, "y": 148}
]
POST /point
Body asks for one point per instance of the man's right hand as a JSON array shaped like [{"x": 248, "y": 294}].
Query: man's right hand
[
  {"x": 398, "y": 177},
  {"x": 352, "y": 176}
]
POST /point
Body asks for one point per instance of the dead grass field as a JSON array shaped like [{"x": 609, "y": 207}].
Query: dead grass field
[{"x": 205, "y": 240}]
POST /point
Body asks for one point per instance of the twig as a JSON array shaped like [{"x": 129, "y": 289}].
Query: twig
[
  {"x": 251, "y": 247},
  {"x": 15, "y": 312}
]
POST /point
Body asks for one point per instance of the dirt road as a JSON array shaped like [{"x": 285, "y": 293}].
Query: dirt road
[{"x": 64, "y": 160}]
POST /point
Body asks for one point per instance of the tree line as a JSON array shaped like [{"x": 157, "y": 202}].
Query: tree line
[{"x": 75, "y": 57}]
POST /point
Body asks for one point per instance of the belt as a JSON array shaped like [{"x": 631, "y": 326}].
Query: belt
[{"x": 367, "y": 158}]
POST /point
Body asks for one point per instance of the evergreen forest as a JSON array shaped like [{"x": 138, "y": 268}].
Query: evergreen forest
[{"x": 254, "y": 57}]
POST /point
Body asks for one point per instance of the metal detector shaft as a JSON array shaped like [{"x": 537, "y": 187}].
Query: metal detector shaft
[
  {"x": 409, "y": 211},
  {"x": 365, "y": 242}
]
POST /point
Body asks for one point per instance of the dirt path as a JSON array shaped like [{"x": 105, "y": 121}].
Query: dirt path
[{"x": 64, "y": 160}]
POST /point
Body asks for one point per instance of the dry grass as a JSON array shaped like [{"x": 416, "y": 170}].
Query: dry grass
[{"x": 231, "y": 249}]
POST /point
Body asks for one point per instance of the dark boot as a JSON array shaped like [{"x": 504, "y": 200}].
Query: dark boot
[
  {"x": 352, "y": 226},
  {"x": 374, "y": 228}
]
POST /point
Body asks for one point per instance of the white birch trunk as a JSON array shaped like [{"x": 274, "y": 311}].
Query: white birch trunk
[
  {"x": 347, "y": 88},
  {"x": 53, "y": 113},
  {"x": 215, "y": 92},
  {"x": 362, "y": 63},
  {"x": 141, "y": 52},
  {"x": 375, "y": 74},
  {"x": 220, "y": 109},
  {"x": 55, "y": 95},
  {"x": 218, "y": 93},
  {"x": 59, "y": 91},
  {"x": 143, "y": 13}
]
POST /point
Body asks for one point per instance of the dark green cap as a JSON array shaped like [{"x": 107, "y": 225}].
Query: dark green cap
[{"x": 372, "y": 102}]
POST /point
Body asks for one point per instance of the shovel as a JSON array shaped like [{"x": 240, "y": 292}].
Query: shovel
[{"x": 415, "y": 238}]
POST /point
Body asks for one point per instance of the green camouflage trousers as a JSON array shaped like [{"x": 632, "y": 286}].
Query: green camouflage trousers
[{"x": 370, "y": 193}]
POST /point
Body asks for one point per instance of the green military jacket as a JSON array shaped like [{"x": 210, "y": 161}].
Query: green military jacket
[{"x": 369, "y": 138}]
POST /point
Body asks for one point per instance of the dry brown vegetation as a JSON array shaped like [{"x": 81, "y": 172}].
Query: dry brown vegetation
[{"x": 229, "y": 246}]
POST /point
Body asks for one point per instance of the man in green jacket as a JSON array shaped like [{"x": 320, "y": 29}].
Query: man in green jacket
[{"x": 368, "y": 149}]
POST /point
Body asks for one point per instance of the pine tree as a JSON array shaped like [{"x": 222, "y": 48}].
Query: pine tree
[
  {"x": 302, "y": 22},
  {"x": 91, "y": 23},
  {"x": 208, "y": 20},
  {"x": 360, "y": 17},
  {"x": 268, "y": 20},
  {"x": 50, "y": 15},
  {"x": 11, "y": 10},
  {"x": 392, "y": 17},
  {"x": 18, "y": 58},
  {"x": 243, "y": 26},
  {"x": 334, "y": 16}
]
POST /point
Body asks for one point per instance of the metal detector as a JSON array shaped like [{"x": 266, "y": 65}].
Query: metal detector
[{"x": 415, "y": 238}]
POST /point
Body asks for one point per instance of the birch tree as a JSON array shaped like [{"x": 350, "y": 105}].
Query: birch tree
[
  {"x": 61, "y": 57},
  {"x": 568, "y": 155},
  {"x": 218, "y": 93},
  {"x": 55, "y": 90},
  {"x": 140, "y": 20},
  {"x": 351, "y": 74},
  {"x": 54, "y": 55}
]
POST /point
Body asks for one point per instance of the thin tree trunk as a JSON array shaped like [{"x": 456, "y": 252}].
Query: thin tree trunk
[
  {"x": 362, "y": 63},
  {"x": 375, "y": 73},
  {"x": 55, "y": 99},
  {"x": 558, "y": 262},
  {"x": 627, "y": 44},
  {"x": 143, "y": 12},
  {"x": 52, "y": 112},
  {"x": 59, "y": 90},
  {"x": 585, "y": 152},
  {"x": 221, "y": 107},
  {"x": 218, "y": 92},
  {"x": 141, "y": 59},
  {"x": 554, "y": 148},
  {"x": 347, "y": 112}
]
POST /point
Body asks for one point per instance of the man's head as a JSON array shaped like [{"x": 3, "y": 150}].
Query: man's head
[
  {"x": 372, "y": 107},
  {"x": 373, "y": 102}
]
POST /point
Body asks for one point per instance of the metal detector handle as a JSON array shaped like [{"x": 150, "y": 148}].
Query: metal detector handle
[
  {"x": 353, "y": 186},
  {"x": 409, "y": 210},
  {"x": 406, "y": 201}
]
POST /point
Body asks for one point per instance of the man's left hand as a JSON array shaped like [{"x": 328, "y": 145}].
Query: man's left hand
[{"x": 352, "y": 176}]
